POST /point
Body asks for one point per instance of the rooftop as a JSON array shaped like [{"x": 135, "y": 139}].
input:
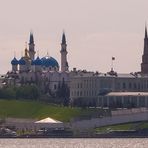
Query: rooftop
[
  {"x": 83, "y": 73},
  {"x": 127, "y": 94}
]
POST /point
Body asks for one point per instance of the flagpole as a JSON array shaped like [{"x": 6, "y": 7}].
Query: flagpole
[{"x": 112, "y": 64}]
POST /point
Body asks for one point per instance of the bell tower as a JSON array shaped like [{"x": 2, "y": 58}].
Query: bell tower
[
  {"x": 144, "y": 64},
  {"x": 31, "y": 47}
]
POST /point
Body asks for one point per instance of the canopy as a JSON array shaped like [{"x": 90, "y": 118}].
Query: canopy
[{"x": 48, "y": 120}]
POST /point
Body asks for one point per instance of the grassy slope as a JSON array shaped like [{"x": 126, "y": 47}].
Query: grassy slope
[
  {"x": 126, "y": 126},
  {"x": 104, "y": 129},
  {"x": 38, "y": 110}
]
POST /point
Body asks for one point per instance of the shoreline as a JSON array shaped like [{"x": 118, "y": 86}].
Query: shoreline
[{"x": 75, "y": 137}]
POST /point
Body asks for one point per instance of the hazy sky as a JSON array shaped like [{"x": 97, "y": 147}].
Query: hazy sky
[{"x": 96, "y": 30}]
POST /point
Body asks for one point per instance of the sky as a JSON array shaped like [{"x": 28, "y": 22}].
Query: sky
[{"x": 96, "y": 31}]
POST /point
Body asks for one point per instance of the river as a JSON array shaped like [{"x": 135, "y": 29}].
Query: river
[{"x": 75, "y": 143}]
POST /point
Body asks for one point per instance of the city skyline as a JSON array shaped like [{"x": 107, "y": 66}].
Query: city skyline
[{"x": 96, "y": 31}]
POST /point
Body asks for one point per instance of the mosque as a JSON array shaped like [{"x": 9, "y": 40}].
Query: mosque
[{"x": 43, "y": 71}]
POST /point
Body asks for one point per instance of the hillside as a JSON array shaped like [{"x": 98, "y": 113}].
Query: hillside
[
  {"x": 38, "y": 110},
  {"x": 143, "y": 125}
]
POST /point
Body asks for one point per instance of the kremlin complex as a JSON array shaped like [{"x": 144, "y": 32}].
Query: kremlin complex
[{"x": 111, "y": 89}]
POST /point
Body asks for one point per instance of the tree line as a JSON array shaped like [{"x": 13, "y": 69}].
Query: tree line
[{"x": 21, "y": 92}]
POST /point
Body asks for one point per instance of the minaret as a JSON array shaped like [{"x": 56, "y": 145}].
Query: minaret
[
  {"x": 31, "y": 47},
  {"x": 144, "y": 64},
  {"x": 64, "y": 63}
]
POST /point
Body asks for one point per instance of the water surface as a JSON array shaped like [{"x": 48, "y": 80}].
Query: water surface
[{"x": 75, "y": 143}]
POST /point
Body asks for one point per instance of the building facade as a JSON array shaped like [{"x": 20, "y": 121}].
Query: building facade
[{"x": 95, "y": 86}]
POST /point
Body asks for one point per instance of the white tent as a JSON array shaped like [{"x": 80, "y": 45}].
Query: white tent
[
  {"x": 49, "y": 123},
  {"x": 48, "y": 120}
]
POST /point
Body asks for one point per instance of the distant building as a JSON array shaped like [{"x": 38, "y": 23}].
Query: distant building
[
  {"x": 43, "y": 71},
  {"x": 144, "y": 64},
  {"x": 97, "y": 86}
]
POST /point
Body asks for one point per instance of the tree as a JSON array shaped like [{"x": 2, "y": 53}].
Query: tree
[
  {"x": 22, "y": 92},
  {"x": 63, "y": 93}
]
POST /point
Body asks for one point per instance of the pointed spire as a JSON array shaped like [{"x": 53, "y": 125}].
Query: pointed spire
[
  {"x": 25, "y": 45},
  {"x": 31, "y": 40},
  {"x": 38, "y": 53},
  {"x": 14, "y": 54},
  {"x": 145, "y": 30},
  {"x": 63, "y": 38},
  {"x": 26, "y": 50}
]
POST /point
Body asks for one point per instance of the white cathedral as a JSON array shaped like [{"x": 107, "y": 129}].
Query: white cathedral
[{"x": 43, "y": 71}]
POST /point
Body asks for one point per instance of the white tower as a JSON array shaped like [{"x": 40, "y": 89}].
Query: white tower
[
  {"x": 31, "y": 47},
  {"x": 64, "y": 63}
]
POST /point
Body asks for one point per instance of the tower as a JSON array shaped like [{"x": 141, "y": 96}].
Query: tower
[
  {"x": 14, "y": 64},
  {"x": 64, "y": 63},
  {"x": 144, "y": 64},
  {"x": 31, "y": 47}
]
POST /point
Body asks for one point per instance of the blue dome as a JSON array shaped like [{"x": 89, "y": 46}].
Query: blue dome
[
  {"x": 14, "y": 61},
  {"x": 49, "y": 62},
  {"x": 22, "y": 61},
  {"x": 37, "y": 61}
]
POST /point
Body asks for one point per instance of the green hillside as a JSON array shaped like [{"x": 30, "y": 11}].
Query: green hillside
[
  {"x": 38, "y": 110},
  {"x": 123, "y": 127}
]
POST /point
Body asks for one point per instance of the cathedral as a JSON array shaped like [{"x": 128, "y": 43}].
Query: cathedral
[{"x": 43, "y": 71}]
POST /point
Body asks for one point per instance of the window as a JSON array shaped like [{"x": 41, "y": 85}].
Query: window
[
  {"x": 78, "y": 93},
  {"x": 84, "y": 93},
  {"x": 81, "y": 93},
  {"x": 135, "y": 86},
  {"x": 130, "y": 85},
  {"x": 55, "y": 87},
  {"x": 78, "y": 85},
  {"x": 118, "y": 86},
  {"x": 87, "y": 93},
  {"x": 142, "y": 101},
  {"x": 124, "y": 85},
  {"x": 138, "y": 86}
]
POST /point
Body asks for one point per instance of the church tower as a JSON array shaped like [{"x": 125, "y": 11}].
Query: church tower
[
  {"x": 31, "y": 47},
  {"x": 64, "y": 63},
  {"x": 144, "y": 64}
]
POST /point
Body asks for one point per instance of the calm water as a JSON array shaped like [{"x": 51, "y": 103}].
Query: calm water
[{"x": 74, "y": 143}]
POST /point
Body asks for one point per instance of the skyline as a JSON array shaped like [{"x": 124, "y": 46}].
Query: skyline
[{"x": 97, "y": 29}]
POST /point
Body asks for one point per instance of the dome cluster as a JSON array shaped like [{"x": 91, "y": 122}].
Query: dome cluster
[
  {"x": 18, "y": 62},
  {"x": 28, "y": 62},
  {"x": 46, "y": 61}
]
